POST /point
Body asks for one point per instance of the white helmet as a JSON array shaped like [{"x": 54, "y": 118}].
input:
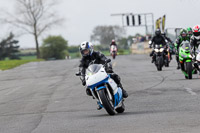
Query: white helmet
[{"x": 86, "y": 48}]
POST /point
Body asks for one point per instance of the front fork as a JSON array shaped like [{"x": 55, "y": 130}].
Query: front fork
[{"x": 107, "y": 91}]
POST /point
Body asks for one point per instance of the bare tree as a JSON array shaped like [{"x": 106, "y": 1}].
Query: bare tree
[
  {"x": 34, "y": 17},
  {"x": 104, "y": 34}
]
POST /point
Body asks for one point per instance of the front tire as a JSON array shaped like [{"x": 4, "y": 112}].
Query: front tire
[
  {"x": 106, "y": 102},
  {"x": 113, "y": 55},
  {"x": 159, "y": 63},
  {"x": 189, "y": 69}
]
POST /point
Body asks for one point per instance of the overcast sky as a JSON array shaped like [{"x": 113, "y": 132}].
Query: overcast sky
[{"x": 81, "y": 16}]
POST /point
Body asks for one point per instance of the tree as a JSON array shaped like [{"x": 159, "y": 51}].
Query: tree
[
  {"x": 124, "y": 43},
  {"x": 54, "y": 47},
  {"x": 104, "y": 34},
  {"x": 34, "y": 17},
  {"x": 9, "y": 48}
]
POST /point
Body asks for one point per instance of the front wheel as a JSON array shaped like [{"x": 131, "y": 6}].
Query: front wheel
[
  {"x": 159, "y": 63},
  {"x": 113, "y": 55},
  {"x": 189, "y": 69},
  {"x": 107, "y": 104}
]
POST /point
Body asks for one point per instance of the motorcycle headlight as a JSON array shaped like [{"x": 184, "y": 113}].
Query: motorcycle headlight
[
  {"x": 161, "y": 50},
  {"x": 156, "y": 50},
  {"x": 89, "y": 73}
]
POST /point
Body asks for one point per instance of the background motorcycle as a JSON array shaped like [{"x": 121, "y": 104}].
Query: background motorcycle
[
  {"x": 185, "y": 59},
  {"x": 159, "y": 56},
  {"x": 113, "y": 51}
]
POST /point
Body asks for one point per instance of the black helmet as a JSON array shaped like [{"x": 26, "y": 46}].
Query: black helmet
[{"x": 157, "y": 32}]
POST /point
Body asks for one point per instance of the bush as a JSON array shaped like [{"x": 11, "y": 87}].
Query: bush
[
  {"x": 54, "y": 47},
  {"x": 73, "y": 49},
  {"x": 120, "y": 51}
]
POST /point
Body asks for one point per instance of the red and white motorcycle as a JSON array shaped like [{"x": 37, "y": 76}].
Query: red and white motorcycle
[{"x": 113, "y": 51}]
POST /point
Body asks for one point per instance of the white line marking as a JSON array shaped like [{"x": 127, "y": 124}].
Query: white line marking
[
  {"x": 114, "y": 64},
  {"x": 189, "y": 90}
]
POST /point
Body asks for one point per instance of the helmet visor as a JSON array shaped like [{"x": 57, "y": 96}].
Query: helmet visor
[
  {"x": 85, "y": 52},
  {"x": 183, "y": 35},
  {"x": 196, "y": 33},
  {"x": 189, "y": 32}
]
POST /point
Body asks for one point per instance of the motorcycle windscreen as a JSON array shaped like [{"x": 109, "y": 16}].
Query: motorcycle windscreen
[
  {"x": 94, "y": 68},
  {"x": 186, "y": 46}
]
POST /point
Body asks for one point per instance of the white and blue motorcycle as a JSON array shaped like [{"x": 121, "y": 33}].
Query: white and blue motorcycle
[{"x": 104, "y": 88}]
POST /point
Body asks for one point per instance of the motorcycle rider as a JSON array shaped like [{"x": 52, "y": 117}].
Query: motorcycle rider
[
  {"x": 170, "y": 41},
  {"x": 89, "y": 55},
  {"x": 113, "y": 43},
  {"x": 182, "y": 37},
  {"x": 157, "y": 39},
  {"x": 190, "y": 33},
  {"x": 195, "y": 41}
]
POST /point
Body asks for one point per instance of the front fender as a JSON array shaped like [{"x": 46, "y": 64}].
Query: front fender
[
  {"x": 101, "y": 87},
  {"x": 188, "y": 60}
]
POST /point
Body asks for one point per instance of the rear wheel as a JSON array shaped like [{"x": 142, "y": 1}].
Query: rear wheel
[
  {"x": 107, "y": 104},
  {"x": 189, "y": 69}
]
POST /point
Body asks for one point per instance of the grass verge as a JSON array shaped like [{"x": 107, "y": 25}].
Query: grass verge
[{"x": 9, "y": 64}]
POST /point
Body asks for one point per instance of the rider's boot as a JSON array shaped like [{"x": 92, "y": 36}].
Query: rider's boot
[
  {"x": 124, "y": 93},
  {"x": 196, "y": 66},
  {"x": 178, "y": 66},
  {"x": 117, "y": 80},
  {"x": 152, "y": 61}
]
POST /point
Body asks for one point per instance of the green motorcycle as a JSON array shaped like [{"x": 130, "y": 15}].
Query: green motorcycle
[{"x": 185, "y": 59}]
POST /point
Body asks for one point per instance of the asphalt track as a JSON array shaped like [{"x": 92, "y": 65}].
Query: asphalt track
[{"x": 47, "y": 97}]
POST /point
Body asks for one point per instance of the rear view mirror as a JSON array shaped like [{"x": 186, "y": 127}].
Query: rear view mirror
[{"x": 108, "y": 60}]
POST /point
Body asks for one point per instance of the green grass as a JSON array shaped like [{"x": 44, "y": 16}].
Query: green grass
[
  {"x": 123, "y": 52},
  {"x": 9, "y": 64},
  {"x": 28, "y": 57},
  {"x": 75, "y": 55},
  {"x": 106, "y": 53}
]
